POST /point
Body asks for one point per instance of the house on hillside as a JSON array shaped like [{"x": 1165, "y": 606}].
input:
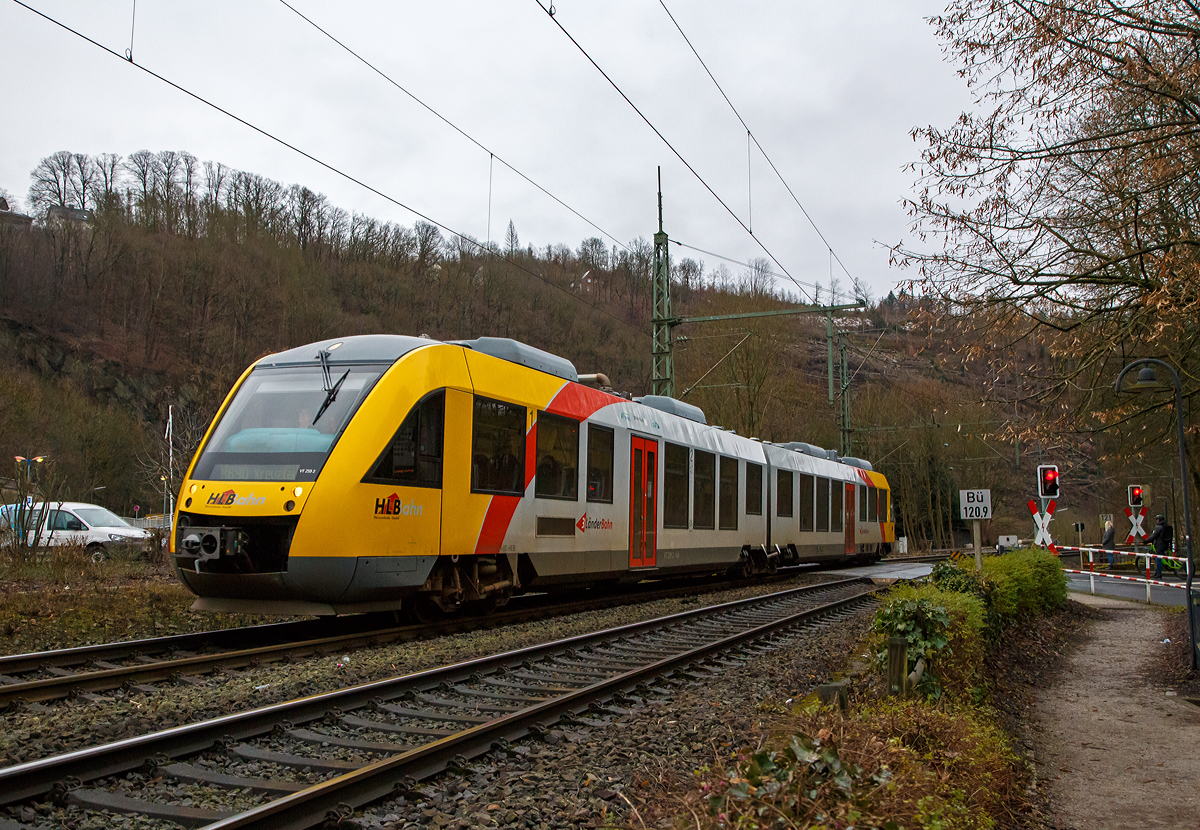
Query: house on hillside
[
  {"x": 11, "y": 218},
  {"x": 75, "y": 216}
]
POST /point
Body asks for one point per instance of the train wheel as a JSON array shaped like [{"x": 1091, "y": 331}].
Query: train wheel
[{"x": 422, "y": 610}]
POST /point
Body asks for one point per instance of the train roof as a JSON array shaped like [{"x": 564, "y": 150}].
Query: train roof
[
  {"x": 516, "y": 352},
  {"x": 361, "y": 348}
]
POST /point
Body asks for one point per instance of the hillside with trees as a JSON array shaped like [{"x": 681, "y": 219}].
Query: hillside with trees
[{"x": 151, "y": 281}]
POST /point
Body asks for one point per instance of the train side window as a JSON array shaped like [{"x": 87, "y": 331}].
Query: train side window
[
  {"x": 885, "y": 506},
  {"x": 558, "y": 458},
  {"x": 872, "y": 504},
  {"x": 600, "y": 445},
  {"x": 822, "y": 505},
  {"x": 836, "y": 515},
  {"x": 806, "y": 503},
  {"x": 414, "y": 456},
  {"x": 783, "y": 493},
  {"x": 675, "y": 487},
  {"x": 862, "y": 502},
  {"x": 704, "y": 491},
  {"x": 754, "y": 489},
  {"x": 728, "y": 518},
  {"x": 498, "y": 448}
]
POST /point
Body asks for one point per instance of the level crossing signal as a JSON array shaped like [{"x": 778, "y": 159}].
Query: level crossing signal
[
  {"x": 1048, "y": 481},
  {"x": 1135, "y": 495}
]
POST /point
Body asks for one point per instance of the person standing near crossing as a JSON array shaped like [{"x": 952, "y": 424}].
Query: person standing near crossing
[
  {"x": 1110, "y": 535},
  {"x": 1160, "y": 539}
]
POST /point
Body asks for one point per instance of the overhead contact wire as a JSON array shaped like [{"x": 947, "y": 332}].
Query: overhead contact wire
[
  {"x": 663, "y": 138},
  {"x": 752, "y": 137},
  {"x": 317, "y": 161},
  {"x": 448, "y": 122},
  {"x": 731, "y": 259}
]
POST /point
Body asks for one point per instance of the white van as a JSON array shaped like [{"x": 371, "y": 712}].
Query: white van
[{"x": 72, "y": 522}]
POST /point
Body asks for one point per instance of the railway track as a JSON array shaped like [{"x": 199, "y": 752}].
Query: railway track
[
  {"x": 294, "y": 764},
  {"x": 138, "y": 664}
]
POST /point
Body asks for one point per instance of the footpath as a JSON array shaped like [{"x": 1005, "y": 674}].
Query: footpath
[{"x": 1115, "y": 749}]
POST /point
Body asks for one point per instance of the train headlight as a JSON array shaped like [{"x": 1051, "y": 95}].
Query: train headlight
[
  {"x": 298, "y": 492},
  {"x": 192, "y": 489}
]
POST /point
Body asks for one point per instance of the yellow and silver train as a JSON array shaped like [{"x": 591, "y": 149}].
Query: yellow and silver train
[{"x": 382, "y": 472}]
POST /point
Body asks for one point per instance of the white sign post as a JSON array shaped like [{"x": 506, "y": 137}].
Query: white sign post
[{"x": 975, "y": 506}]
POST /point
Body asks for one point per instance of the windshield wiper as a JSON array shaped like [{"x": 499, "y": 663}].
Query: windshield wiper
[{"x": 330, "y": 388}]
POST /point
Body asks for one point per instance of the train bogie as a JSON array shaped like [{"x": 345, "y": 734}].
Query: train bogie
[{"x": 378, "y": 472}]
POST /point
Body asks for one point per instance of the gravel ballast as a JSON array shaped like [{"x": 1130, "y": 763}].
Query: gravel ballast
[{"x": 584, "y": 773}]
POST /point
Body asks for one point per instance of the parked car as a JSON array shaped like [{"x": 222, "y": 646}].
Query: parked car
[{"x": 71, "y": 522}]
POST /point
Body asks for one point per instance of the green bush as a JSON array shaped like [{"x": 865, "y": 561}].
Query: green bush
[
  {"x": 1027, "y": 581},
  {"x": 944, "y": 627}
]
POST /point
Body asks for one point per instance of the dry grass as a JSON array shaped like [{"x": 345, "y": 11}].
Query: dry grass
[
  {"x": 886, "y": 763},
  {"x": 60, "y": 598}
]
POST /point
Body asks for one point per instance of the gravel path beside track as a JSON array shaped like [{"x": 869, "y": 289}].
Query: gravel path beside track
[{"x": 1115, "y": 748}]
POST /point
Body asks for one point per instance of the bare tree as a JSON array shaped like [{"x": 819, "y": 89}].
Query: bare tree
[
  {"x": 1066, "y": 204},
  {"x": 108, "y": 171},
  {"x": 52, "y": 181}
]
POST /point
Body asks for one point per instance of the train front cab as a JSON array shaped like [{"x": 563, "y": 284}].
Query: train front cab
[
  {"x": 442, "y": 507},
  {"x": 276, "y": 508}
]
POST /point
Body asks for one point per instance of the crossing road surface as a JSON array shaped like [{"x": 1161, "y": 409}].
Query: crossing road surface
[
  {"x": 1128, "y": 590},
  {"x": 895, "y": 570}
]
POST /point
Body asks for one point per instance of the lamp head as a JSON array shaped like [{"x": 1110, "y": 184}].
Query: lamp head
[{"x": 1147, "y": 380}]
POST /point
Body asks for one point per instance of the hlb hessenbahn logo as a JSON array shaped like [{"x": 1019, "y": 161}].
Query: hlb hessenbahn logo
[
  {"x": 394, "y": 507},
  {"x": 230, "y": 498}
]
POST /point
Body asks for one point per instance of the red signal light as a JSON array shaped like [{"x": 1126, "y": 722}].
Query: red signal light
[{"x": 1048, "y": 481}]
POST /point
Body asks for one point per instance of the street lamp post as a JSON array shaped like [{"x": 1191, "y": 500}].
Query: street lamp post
[
  {"x": 37, "y": 459},
  {"x": 1147, "y": 381}
]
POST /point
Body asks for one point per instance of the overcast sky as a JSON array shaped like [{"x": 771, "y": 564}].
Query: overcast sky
[{"x": 830, "y": 90}]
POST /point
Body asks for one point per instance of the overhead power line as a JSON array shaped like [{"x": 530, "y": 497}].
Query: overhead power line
[
  {"x": 261, "y": 131},
  {"x": 834, "y": 294},
  {"x": 754, "y": 138},
  {"x": 550, "y": 13},
  {"x": 446, "y": 120}
]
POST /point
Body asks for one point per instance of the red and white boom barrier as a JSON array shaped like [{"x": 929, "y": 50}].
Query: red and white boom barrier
[{"x": 1091, "y": 571}]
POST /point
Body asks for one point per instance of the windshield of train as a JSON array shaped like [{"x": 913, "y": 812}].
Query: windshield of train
[{"x": 283, "y": 423}]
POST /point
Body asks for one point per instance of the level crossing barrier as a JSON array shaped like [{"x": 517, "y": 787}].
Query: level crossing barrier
[{"x": 1091, "y": 571}]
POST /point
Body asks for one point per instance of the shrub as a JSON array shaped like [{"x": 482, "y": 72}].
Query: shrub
[
  {"x": 1028, "y": 581},
  {"x": 944, "y": 627}
]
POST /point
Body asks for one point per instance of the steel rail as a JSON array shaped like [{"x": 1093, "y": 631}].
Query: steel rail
[
  {"x": 104, "y": 679},
  {"x": 81, "y": 655},
  {"x": 38, "y": 777},
  {"x": 308, "y": 808}
]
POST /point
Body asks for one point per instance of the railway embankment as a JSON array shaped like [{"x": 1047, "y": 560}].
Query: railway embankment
[
  {"x": 984, "y": 739},
  {"x": 961, "y": 749}
]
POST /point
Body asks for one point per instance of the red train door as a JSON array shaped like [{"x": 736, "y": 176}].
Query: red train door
[
  {"x": 643, "y": 502},
  {"x": 848, "y": 508}
]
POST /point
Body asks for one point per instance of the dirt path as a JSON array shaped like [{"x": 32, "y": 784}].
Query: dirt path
[{"x": 1114, "y": 749}]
